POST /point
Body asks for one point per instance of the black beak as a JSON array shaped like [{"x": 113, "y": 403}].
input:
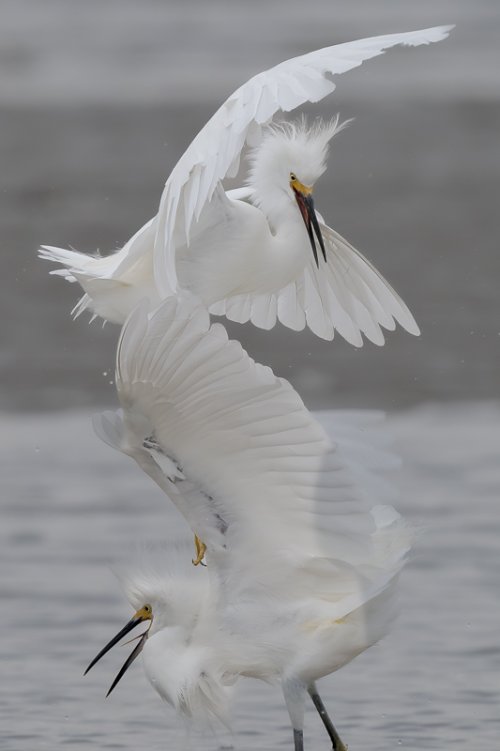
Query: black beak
[
  {"x": 130, "y": 659},
  {"x": 306, "y": 206}
]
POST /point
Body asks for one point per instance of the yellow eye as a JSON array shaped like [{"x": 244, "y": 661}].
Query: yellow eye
[{"x": 147, "y": 608}]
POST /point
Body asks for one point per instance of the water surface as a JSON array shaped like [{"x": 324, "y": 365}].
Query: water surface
[{"x": 73, "y": 507}]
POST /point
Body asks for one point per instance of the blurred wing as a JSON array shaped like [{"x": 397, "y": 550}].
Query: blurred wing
[
  {"x": 215, "y": 152},
  {"x": 257, "y": 475},
  {"x": 346, "y": 294}
]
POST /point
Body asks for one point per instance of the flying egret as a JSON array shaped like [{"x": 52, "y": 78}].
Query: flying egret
[
  {"x": 301, "y": 572},
  {"x": 247, "y": 253}
]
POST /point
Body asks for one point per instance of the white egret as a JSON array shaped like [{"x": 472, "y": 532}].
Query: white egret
[
  {"x": 301, "y": 572},
  {"x": 247, "y": 253}
]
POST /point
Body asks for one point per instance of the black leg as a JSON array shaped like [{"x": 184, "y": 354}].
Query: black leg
[
  {"x": 298, "y": 740},
  {"x": 337, "y": 744}
]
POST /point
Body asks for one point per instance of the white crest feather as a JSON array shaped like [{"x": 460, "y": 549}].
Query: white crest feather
[
  {"x": 289, "y": 147},
  {"x": 163, "y": 577}
]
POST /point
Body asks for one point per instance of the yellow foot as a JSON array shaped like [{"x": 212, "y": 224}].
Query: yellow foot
[{"x": 200, "y": 551}]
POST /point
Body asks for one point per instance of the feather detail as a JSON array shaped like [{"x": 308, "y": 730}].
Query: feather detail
[
  {"x": 214, "y": 150},
  {"x": 246, "y": 447}
]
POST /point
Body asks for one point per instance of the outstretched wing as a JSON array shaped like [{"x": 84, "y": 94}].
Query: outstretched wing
[
  {"x": 346, "y": 294},
  {"x": 215, "y": 152},
  {"x": 257, "y": 476}
]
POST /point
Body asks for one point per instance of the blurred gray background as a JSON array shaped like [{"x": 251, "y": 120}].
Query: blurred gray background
[{"x": 99, "y": 99}]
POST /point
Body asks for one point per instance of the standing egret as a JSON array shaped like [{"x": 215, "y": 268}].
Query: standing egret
[
  {"x": 301, "y": 570},
  {"x": 247, "y": 253}
]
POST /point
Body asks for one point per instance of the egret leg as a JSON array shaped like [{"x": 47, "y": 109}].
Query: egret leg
[
  {"x": 337, "y": 743},
  {"x": 294, "y": 692},
  {"x": 298, "y": 740},
  {"x": 200, "y": 551}
]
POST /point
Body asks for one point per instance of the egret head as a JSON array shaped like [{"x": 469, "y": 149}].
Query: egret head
[
  {"x": 284, "y": 168},
  {"x": 145, "y": 613},
  {"x": 164, "y": 589}
]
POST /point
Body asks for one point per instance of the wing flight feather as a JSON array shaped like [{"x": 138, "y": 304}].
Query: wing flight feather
[
  {"x": 346, "y": 294},
  {"x": 246, "y": 449}
]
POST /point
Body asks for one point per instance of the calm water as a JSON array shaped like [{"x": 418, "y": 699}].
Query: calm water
[{"x": 74, "y": 507}]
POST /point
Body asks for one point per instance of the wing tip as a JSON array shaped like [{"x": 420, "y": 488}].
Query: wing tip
[
  {"x": 430, "y": 35},
  {"x": 405, "y": 318},
  {"x": 108, "y": 426},
  {"x": 413, "y": 328}
]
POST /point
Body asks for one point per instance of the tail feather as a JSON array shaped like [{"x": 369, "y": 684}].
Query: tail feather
[
  {"x": 74, "y": 261},
  {"x": 64, "y": 273},
  {"x": 108, "y": 294},
  {"x": 84, "y": 303}
]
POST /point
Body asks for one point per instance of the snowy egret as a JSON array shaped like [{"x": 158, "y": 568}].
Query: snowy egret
[
  {"x": 301, "y": 568},
  {"x": 247, "y": 253}
]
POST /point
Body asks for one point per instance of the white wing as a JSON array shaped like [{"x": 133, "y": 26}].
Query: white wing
[
  {"x": 346, "y": 294},
  {"x": 256, "y": 476},
  {"x": 215, "y": 152}
]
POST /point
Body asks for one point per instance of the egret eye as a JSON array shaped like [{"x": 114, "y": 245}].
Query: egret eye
[
  {"x": 293, "y": 176},
  {"x": 147, "y": 608}
]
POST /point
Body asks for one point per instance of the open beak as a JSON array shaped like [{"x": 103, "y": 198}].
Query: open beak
[
  {"x": 140, "y": 616},
  {"x": 306, "y": 205}
]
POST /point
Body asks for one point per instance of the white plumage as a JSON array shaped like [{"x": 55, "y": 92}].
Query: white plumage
[
  {"x": 303, "y": 550},
  {"x": 303, "y": 555},
  {"x": 246, "y": 253},
  {"x": 180, "y": 656}
]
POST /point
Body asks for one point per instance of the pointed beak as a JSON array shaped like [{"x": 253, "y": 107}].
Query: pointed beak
[
  {"x": 306, "y": 205},
  {"x": 138, "y": 617}
]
